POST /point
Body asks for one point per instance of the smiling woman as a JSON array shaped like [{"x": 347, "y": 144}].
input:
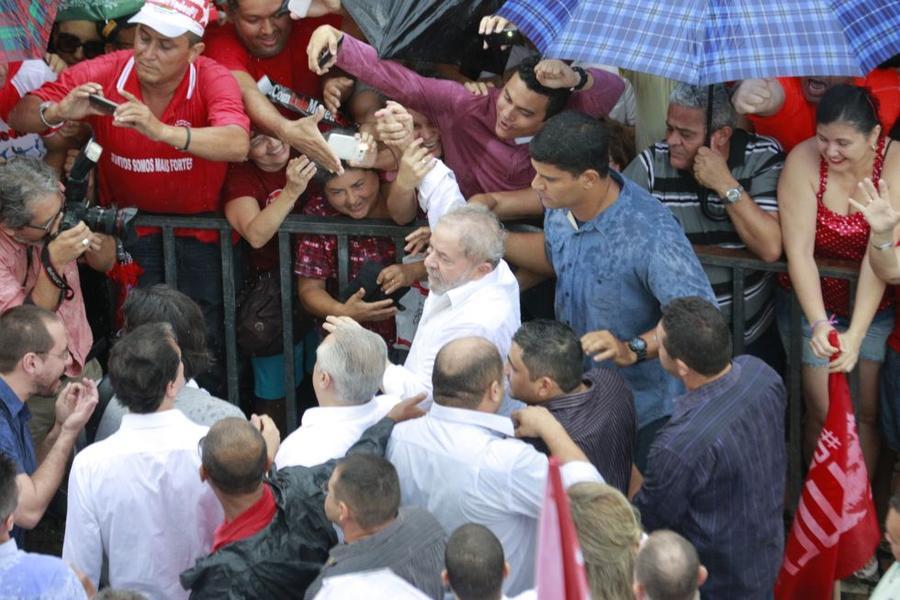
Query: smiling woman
[{"x": 818, "y": 222}]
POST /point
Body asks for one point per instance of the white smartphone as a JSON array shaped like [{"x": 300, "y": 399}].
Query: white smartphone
[{"x": 347, "y": 147}]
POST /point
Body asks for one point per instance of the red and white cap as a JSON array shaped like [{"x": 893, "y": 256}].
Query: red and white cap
[{"x": 173, "y": 18}]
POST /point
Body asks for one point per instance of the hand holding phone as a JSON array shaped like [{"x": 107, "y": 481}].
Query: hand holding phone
[{"x": 102, "y": 104}]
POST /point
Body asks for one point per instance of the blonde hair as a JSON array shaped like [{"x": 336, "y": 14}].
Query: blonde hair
[{"x": 609, "y": 533}]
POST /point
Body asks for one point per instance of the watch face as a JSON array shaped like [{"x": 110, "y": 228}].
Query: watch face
[
  {"x": 638, "y": 344},
  {"x": 733, "y": 195}
]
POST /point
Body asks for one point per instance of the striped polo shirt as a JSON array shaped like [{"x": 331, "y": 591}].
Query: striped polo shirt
[{"x": 756, "y": 162}]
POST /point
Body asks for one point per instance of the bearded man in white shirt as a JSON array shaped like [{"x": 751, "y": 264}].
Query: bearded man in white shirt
[
  {"x": 462, "y": 463},
  {"x": 135, "y": 497},
  {"x": 472, "y": 293},
  {"x": 349, "y": 367}
]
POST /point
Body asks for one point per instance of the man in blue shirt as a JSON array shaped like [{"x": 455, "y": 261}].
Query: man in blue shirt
[
  {"x": 618, "y": 256},
  {"x": 716, "y": 470},
  {"x": 34, "y": 354},
  {"x": 22, "y": 574}
]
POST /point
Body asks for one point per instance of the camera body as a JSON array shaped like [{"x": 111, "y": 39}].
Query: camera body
[{"x": 111, "y": 221}]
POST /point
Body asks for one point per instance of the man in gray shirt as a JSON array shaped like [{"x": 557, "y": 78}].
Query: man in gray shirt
[{"x": 363, "y": 499}]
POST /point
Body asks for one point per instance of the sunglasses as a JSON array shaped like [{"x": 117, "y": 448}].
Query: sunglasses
[{"x": 68, "y": 43}]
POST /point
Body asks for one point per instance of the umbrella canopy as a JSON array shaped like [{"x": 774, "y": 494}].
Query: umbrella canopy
[
  {"x": 709, "y": 41},
  {"x": 97, "y": 10},
  {"x": 426, "y": 30},
  {"x": 25, "y": 28}
]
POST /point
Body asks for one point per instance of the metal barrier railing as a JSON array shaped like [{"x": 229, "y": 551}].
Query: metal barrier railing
[
  {"x": 294, "y": 224},
  {"x": 740, "y": 262}
]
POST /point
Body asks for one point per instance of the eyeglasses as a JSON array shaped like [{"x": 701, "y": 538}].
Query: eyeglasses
[
  {"x": 63, "y": 356},
  {"x": 68, "y": 43},
  {"x": 46, "y": 227}
]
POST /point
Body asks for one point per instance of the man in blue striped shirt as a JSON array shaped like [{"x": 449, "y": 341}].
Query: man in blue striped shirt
[{"x": 715, "y": 473}]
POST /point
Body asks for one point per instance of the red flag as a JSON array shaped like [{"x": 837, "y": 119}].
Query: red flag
[
  {"x": 835, "y": 530},
  {"x": 559, "y": 564}
]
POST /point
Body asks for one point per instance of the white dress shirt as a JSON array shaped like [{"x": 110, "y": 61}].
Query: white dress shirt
[
  {"x": 465, "y": 466},
  {"x": 327, "y": 432},
  {"x": 136, "y": 498},
  {"x": 487, "y": 307}
]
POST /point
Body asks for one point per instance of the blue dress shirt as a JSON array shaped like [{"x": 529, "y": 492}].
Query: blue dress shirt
[{"x": 615, "y": 272}]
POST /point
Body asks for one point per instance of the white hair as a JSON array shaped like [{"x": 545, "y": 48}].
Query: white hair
[
  {"x": 481, "y": 235},
  {"x": 355, "y": 358}
]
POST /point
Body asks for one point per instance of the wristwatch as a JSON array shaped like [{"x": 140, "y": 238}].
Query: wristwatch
[
  {"x": 582, "y": 79},
  {"x": 733, "y": 195},
  {"x": 639, "y": 347}
]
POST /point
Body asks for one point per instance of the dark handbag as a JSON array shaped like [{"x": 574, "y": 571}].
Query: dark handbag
[{"x": 258, "y": 321}]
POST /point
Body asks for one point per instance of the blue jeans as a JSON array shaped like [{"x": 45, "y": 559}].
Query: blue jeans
[{"x": 889, "y": 409}]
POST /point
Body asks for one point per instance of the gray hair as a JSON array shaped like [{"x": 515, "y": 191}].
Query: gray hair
[
  {"x": 667, "y": 565},
  {"x": 355, "y": 359},
  {"x": 23, "y": 180},
  {"x": 481, "y": 235},
  {"x": 697, "y": 96}
]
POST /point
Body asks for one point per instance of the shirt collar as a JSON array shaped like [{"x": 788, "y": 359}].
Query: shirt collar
[
  {"x": 698, "y": 397},
  {"x": 573, "y": 399},
  {"x": 330, "y": 415},
  {"x": 10, "y": 399},
  {"x": 166, "y": 418},
  {"x": 617, "y": 179},
  {"x": 460, "y": 294},
  {"x": 8, "y": 548},
  {"x": 465, "y": 416}
]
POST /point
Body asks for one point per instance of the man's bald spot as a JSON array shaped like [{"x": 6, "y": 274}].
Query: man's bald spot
[
  {"x": 234, "y": 455},
  {"x": 667, "y": 562},
  {"x": 463, "y": 371}
]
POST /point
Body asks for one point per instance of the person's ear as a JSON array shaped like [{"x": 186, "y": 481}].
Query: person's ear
[
  {"x": 29, "y": 363},
  {"x": 589, "y": 178},
  {"x": 325, "y": 380},
  {"x": 506, "y": 569},
  {"x": 681, "y": 368},
  {"x": 195, "y": 51},
  {"x": 545, "y": 387},
  {"x": 484, "y": 268},
  {"x": 721, "y": 137},
  {"x": 445, "y": 579},
  {"x": 702, "y": 574},
  {"x": 10, "y": 521},
  {"x": 203, "y": 475},
  {"x": 638, "y": 590}
]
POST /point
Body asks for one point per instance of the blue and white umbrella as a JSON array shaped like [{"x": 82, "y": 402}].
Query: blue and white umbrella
[{"x": 710, "y": 41}]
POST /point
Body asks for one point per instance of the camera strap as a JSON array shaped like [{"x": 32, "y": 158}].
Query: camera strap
[{"x": 57, "y": 279}]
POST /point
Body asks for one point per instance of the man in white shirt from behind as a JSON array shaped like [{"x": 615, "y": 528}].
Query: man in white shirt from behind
[
  {"x": 349, "y": 367},
  {"x": 463, "y": 463},
  {"x": 135, "y": 498}
]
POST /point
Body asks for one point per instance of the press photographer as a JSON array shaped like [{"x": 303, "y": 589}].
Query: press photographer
[{"x": 38, "y": 264}]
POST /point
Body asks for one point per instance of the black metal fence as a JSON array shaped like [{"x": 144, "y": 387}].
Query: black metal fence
[{"x": 740, "y": 262}]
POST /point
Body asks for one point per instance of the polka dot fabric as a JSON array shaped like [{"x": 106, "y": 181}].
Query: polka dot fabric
[{"x": 841, "y": 237}]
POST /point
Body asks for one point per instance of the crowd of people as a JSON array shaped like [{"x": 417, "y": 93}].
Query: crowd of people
[{"x": 549, "y": 303}]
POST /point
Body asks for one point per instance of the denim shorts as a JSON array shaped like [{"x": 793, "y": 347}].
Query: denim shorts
[{"x": 873, "y": 344}]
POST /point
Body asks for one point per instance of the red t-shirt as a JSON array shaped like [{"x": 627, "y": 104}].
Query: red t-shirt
[
  {"x": 153, "y": 176},
  {"x": 289, "y": 67},
  {"x": 21, "y": 78},
  {"x": 250, "y": 522},
  {"x": 246, "y": 179},
  {"x": 796, "y": 121}
]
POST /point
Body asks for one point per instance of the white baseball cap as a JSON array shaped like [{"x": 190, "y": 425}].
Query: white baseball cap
[{"x": 173, "y": 18}]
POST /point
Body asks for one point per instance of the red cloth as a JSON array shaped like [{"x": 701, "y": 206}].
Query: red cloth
[
  {"x": 796, "y": 121},
  {"x": 835, "y": 530},
  {"x": 316, "y": 258},
  {"x": 289, "y": 67},
  {"x": 250, "y": 522},
  {"x": 246, "y": 179},
  {"x": 21, "y": 78},
  {"x": 559, "y": 565},
  {"x": 152, "y": 176}
]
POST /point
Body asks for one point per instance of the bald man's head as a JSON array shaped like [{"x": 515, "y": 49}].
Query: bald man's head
[
  {"x": 464, "y": 371},
  {"x": 234, "y": 456},
  {"x": 667, "y": 567}
]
